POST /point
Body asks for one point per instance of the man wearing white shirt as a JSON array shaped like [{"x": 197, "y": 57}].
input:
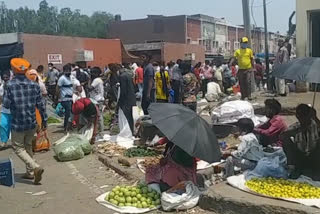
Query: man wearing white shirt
[
  {"x": 96, "y": 91},
  {"x": 213, "y": 91}
]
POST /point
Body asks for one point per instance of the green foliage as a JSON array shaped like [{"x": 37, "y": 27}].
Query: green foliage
[{"x": 49, "y": 20}]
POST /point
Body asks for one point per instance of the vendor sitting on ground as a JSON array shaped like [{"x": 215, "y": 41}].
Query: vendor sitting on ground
[
  {"x": 85, "y": 114},
  {"x": 175, "y": 167},
  {"x": 301, "y": 144},
  {"x": 249, "y": 151},
  {"x": 213, "y": 92},
  {"x": 269, "y": 132}
]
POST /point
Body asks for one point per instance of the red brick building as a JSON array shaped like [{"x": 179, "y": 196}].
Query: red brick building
[
  {"x": 216, "y": 36},
  {"x": 94, "y": 52}
]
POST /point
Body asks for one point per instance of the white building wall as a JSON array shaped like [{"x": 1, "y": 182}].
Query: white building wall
[{"x": 303, "y": 9}]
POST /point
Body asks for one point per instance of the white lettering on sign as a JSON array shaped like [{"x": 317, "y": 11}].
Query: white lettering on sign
[{"x": 55, "y": 58}]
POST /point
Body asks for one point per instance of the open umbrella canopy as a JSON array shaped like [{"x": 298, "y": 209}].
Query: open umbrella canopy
[
  {"x": 187, "y": 130},
  {"x": 302, "y": 69}
]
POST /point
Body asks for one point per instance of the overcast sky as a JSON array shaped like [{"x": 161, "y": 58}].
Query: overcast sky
[{"x": 278, "y": 10}]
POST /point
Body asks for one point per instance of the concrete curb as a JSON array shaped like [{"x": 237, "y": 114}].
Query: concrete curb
[{"x": 227, "y": 200}]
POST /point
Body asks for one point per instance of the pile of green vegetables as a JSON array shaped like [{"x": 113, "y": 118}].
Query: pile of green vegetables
[
  {"x": 140, "y": 152},
  {"x": 52, "y": 120}
]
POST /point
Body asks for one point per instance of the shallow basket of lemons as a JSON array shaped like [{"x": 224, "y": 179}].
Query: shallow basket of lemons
[
  {"x": 131, "y": 199},
  {"x": 281, "y": 188}
]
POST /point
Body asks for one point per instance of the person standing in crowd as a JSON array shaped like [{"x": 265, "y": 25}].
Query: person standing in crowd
[
  {"x": 5, "y": 77},
  {"x": 190, "y": 87},
  {"x": 197, "y": 70},
  {"x": 148, "y": 95},
  {"x": 127, "y": 97},
  {"x": 259, "y": 72},
  {"x": 244, "y": 55},
  {"x": 301, "y": 144},
  {"x": 83, "y": 78},
  {"x": 162, "y": 86},
  {"x": 218, "y": 74},
  {"x": 51, "y": 80},
  {"x": 269, "y": 132},
  {"x": 169, "y": 68},
  {"x": 288, "y": 46},
  {"x": 22, "y": 97},
  {"x": 272, "y": 79},
  {"x": 78, "y": 90},
  {"x": 66, "y": 92},
  {"x": 281, "y": 58},
  {"x": 206, "y": 75},
  {"x": 40, "y": 70},
  {"x": 139, "y": 80},
  {"x": 177, "y": 81},
  {"x": 113, "y": 79},
  {"x": 96, "y": 90},
  {"x": 234, "y": 69}
]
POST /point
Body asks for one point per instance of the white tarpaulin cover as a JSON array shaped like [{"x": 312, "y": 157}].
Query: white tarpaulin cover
[
  {"x": 239, "y": 182},
  {"x": 231, "y": 112}
]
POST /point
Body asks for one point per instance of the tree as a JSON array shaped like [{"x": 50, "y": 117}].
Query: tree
[{"x": 48, "y": 20}]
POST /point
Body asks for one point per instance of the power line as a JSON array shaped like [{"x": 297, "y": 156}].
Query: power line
[
  {"x": 269, "y": 2},
  {"x": 252, "y": 15}
]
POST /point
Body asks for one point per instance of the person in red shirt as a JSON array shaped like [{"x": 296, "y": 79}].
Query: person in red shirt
[
  {"x": 258, "y": 74},
  {"x": 139, "y": 80},
  {"x": 269, "y": 132},
  {"x": 86, "y": 113},
  {"x": 197, "y": 70}
]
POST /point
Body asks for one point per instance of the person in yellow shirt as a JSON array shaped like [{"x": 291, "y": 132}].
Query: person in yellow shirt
[
  {"x": 162, "y": 85},
  {"x": 244, "y": 55}
]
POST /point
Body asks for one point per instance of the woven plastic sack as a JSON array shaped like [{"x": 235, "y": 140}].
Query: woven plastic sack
[
  {"x": 80, "y": 140},
  {"x": 68, "y": 151}
]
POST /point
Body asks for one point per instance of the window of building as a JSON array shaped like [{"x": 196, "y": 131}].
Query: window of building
[
  {"x": 236, "y": 45},
  {"x": 158, "y": 26},
  {"x": 215, "y": 44},
  {"x": 227, "y": 45},
  {"x": 208, "y": 45},
  {"x": 188, "y": 41}
]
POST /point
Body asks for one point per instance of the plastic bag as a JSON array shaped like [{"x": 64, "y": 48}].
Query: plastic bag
[
  {"x": 42, "y": 142},
  {"x": 68, "y": 151},
  {"x": 125, "y": 130},
  {"x": 80, "y": 140},
  {"x": 188, "y": 200},
  {"x": 273, "y": 165},
  {"x": 5, "y": 127}
]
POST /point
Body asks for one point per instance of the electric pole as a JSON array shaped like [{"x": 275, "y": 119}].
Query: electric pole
[
  {"x": 266, "y": 39},
  {"x": 246, "y": 19}
]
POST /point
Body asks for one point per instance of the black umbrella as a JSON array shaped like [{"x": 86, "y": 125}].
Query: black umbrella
[
  {"x": 302, "y": 69},
  {"x": 187, "y": 130}
]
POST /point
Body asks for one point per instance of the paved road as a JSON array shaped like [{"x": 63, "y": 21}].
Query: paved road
[{"x": 71, "y": 187}]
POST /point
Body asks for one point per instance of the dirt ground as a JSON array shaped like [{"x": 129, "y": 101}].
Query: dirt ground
[{"x": 72, "y": 187}]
